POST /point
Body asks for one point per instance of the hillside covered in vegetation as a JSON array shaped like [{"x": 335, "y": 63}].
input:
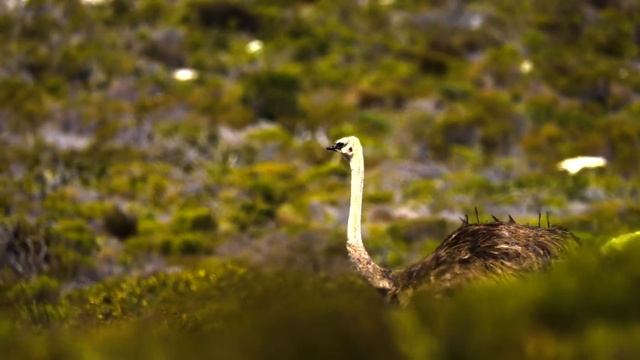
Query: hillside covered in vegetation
[{"x": 165, "y": 191}]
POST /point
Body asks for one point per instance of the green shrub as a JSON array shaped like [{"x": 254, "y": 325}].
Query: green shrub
[
  {"x": 272, "y": 95},
  {"x": 620, "y": 135},
  {"x": 221, "y": 15},
  {"x": 194, "y": 219},
  {"x": 619, "y": 242},
  {"x": 264, "y": 187},
  {"x": 191, "y": 244},
  {"x": 411, "y": 231},
  {"x": 23, "y": 99},
  {"x": 420, "y": 190},
  {"x": 78, "y": 235},
  {"x": 35, "y": 248},
  {"x": 372, "y": 123},
  {"x": 41, "y": 289},
  {"x": 222, "y": 306}
]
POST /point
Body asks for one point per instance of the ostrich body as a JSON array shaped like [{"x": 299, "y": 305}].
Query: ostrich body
[{"x": 472, "y": 251}]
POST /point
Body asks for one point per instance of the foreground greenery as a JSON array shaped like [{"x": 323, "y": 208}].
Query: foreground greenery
[
  {"x": 141, "y": 216},
  {"x": 585, "y": 307}
]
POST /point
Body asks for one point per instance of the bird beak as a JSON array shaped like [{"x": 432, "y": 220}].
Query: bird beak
[{"x": 332, "y": 148}]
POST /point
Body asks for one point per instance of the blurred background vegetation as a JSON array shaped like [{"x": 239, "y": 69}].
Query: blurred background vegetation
[{"x": 148, "y": 215}]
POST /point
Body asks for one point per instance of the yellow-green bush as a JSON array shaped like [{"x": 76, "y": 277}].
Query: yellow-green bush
[
  {"x": 79, "y": 235},
  {"x": 196, "y": 219}
]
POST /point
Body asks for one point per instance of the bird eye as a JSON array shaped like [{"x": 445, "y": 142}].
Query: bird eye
[{"x": 350, "y": 149}]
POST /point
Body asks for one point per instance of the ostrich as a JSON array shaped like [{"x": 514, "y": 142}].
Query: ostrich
[{"x": 473, "y": 251}]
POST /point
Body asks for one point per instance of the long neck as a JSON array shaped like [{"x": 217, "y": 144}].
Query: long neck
[
  {"x": 354, "y": 231},
  {"x": 376, "y": 276}
]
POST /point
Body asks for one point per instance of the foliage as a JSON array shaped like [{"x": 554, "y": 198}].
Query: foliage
[
  {"x": 619, "y": 242},
  {"x": 548, "y": 315},
  {"x": 198, "y": 219},
  {"x": 272, "y": 95},
  {"x": 79, "y": 235},
  {"x": 30, "y": 249}
]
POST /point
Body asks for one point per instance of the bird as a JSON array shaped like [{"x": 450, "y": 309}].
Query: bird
[{"x": 496, "y": 249}]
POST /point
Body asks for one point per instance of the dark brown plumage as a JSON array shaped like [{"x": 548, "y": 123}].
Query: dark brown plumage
[{"x": 484, "y": 250}]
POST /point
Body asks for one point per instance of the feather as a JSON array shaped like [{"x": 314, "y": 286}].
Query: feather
[{"x": 548, "y": 223}]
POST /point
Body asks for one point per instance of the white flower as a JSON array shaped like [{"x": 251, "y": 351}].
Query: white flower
[
  {"x": 526, "y": 66},
  {"x": 185, "y": 74},
  {"x": 254, "y": 46},
  {"x": 94, "y": 2},
  {"x": 575, "y": 164}
]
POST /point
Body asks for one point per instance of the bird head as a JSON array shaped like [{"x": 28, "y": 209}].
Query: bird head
[{"x": 346, "y": 146}]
